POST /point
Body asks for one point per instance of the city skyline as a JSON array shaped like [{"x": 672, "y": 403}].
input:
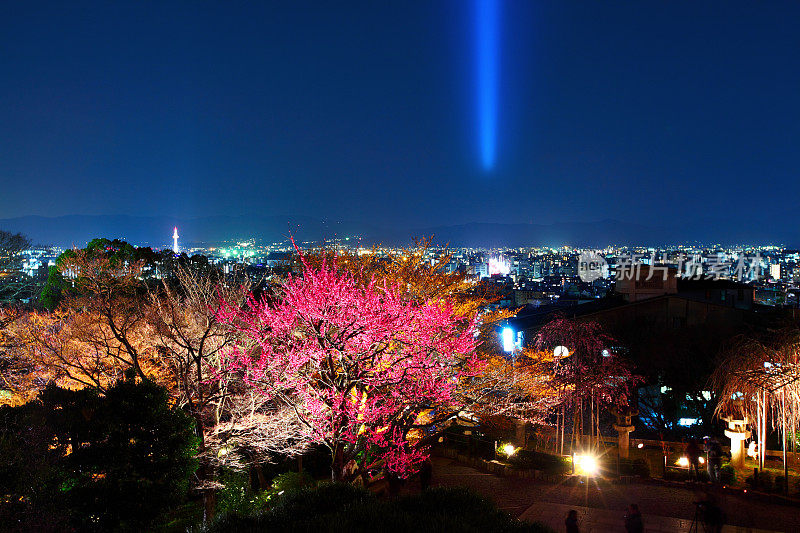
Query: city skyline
[{"x": 68, "y": 231}]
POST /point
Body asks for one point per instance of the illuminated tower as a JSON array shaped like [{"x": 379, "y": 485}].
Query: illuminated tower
[{"x": 175, "y": 240}]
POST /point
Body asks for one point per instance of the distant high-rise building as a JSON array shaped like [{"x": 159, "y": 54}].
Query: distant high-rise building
[
  {"x": 775, "y": 270},
  {"x": 175, "y": 241}
]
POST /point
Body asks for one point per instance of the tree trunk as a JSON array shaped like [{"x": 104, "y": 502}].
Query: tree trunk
[
  {"x": 337, "y": 465},
  {"x": 205, "y": 472}
]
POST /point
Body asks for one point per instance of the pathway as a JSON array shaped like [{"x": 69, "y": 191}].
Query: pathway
[{"x": 665, "y": 508}]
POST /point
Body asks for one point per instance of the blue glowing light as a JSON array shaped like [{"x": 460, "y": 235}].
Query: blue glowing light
[{"x": 487, "y": 19}]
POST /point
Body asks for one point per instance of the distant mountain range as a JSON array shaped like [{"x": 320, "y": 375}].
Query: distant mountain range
[{"x": 70, "y": 230}]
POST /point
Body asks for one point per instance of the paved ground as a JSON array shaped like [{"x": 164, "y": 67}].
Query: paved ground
[
  {"x": 593, "y": 520},
  {"x": 604, "y": 506}
]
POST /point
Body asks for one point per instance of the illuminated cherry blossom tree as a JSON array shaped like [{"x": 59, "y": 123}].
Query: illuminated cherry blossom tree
[
  {"x": 590, "y": 375},
  {"x": 358, "y": 364}
]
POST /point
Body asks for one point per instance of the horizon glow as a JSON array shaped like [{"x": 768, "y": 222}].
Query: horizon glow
[{"x": 486, "y": 59}]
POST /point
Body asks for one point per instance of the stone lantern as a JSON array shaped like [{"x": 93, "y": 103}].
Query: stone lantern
[
  {"x": 737, "y": 431},
  {"x": 624, "y": 427}
]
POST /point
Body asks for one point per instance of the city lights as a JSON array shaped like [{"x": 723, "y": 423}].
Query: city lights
[{"x": 499, "y": 265}]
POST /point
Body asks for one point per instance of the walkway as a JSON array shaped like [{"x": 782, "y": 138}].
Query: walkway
[{"x": 664, "y": 508}]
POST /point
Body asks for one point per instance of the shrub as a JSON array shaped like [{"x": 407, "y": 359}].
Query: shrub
[
  {"x": 727, "y": 474},
  {"x": 327, "y": 498},
  {"x": 546, "y": 462},
  {"x": 634, "y": 467},
  {"x": 237, "y": 496},
  {"x": 676, "y": 474},
  {"x": 339, "y": 507},
  {"x": 110, "y": 462},
  {"x": 289, "y": 481},
  {"x": 765, "y": 481}
]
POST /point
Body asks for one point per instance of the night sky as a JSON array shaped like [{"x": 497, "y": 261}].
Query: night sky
[{"x": 369, "y": 112}]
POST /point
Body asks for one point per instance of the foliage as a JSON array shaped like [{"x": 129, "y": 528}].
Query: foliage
[
  {"x": 290, "y": 481},
  {"x": 101, "y": 462},
  {"x": 505, "y": 386},
  {"x": 682, "y": 474},
  {"x": 11, "y": 244},
  {"x": 359, "y": 365},
  {"x": 338, "y": 507},
  {"x": 592, "y": 369},
  {"x": 589, "y": 377},
  {"x": 15, "y": 285},
  {"x": 53, "y": 289},
  {"x": 727, "y": 474},
  {"x": 634, "y": 467},
  {"x": 237, "y": 495},
  {"x": 765, "y": 481},
  {"x": 20, "y": 379},
  {"x": 758, "y": 380},
  {"x": 546, "y": 462}
]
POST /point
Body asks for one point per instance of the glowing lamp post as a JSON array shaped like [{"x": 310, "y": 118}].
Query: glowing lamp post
[
  {"x": 508, "y": 339},
  {"x": 585, "y": 465},
  {"x": 509, "y": 450},
  {"x": 512, "y": 341}
]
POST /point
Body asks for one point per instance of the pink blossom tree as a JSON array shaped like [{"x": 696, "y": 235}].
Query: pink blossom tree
[
  {"x": 360, "y": 365},
  {"x": 590, "y": 376}
]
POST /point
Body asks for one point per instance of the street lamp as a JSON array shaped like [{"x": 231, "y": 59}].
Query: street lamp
[
  {"x": 585, "y": 465},
  {"x": 508, "y": 339}
]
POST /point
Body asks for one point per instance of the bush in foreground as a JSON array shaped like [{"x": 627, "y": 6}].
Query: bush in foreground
[
  {"x": 79, "y": 460},
  {"x": 340, "y": 507}
]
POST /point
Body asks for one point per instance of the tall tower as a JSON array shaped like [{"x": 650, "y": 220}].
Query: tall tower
[{"x": 175, "y": 241}]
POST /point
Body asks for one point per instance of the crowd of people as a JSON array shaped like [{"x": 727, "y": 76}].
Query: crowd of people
[
  {"x": 633, "y": 520},
  {"x": 712, "y": 448},
  {"x": 708, "y": 512}
]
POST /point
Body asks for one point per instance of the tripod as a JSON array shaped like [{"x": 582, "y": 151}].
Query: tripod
[{"x": 699, "y": 519}]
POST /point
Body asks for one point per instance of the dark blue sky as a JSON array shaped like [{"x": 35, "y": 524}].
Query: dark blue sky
[{"x": 367, "y": 111}]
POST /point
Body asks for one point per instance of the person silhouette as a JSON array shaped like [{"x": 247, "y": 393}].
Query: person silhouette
[
  {"x": 572, "y": 521},
  {"x": 633, "y": 520}
]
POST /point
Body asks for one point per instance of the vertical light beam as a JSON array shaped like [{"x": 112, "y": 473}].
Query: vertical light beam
[{"x": 487, "y": 20}]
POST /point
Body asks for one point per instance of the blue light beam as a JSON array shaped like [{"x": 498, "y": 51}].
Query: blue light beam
[{"x": 487, "y": 19}]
